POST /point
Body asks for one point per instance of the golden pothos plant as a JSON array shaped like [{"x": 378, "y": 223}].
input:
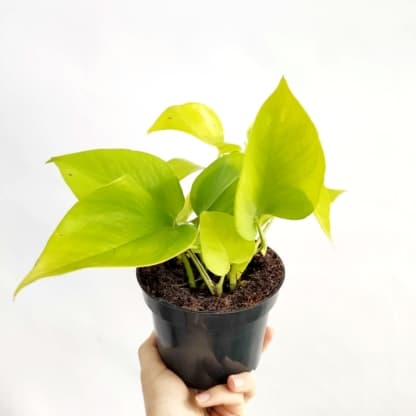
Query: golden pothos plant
[{"x": 131, "y": 209}]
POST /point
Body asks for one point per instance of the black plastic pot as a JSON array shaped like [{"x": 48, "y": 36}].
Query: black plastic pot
[{"x": 204, "y": 348}]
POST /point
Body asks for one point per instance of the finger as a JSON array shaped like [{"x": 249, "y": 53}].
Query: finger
[
  {"x": 219, "y": 395},
  {"x": 228, "y": 411},
  {"x": 242, "y": 383},
  {"x": 212, "y": 412},
  {"x": 149, "y": 356},
  {"x": 268, "y": 336}
]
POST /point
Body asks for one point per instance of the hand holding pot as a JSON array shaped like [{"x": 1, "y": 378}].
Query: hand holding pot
[{"x": 165, "y": 394}]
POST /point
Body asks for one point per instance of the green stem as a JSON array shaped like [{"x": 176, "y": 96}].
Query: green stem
[
  {"x": 233, "y": 277},
  {"x": 262, "y": 244},
  {"x": 188, "y": 270},
  {"x": 219, "y": 285},
  {"x": 267, "y": 225},
  {"x": 201, "y": 269}
]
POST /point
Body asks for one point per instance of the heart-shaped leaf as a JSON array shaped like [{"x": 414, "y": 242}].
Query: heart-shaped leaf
[
  {"x": 198, "y": 120},
  {"x": 182, "y": 167},
  {"x": 229, "y": 148},
  {"x": 119, "y": 224},
  {"x": 84, "y": 172},
  {"x": 284, "y": 164},
  {"x": 186, "y": 211},
  {"x": 323, "y": 209},
  {"x": 214, "y": 189},
  {"x": 221, "y": 245}
]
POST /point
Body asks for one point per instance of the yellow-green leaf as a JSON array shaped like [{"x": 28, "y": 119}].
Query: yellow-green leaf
[
  {"x": 182, "y": 167},
  {"x": 323, "y": 209},
  {"x": 283, "y": 167},
  {"x": 84, "y": 172},
  {"x": 214, "y": 188},
  {"x": 229, "y": 148},
  {"x": 221, "y": 245},
  {"x": 119, "y": 224},
  {"x": 186, "y": 211},
  {"x": 196, "y": 119}
]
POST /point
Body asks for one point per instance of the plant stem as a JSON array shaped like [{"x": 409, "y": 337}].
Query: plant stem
[
  {"x": 201, "y": 269},
  {"x": 219, "y": 285},
  {"x": 262, "y": 245},
  {"x": 233, "y": 277},
  {"x": 188, "y": 270},
  {"x": 267, "y": 225}
]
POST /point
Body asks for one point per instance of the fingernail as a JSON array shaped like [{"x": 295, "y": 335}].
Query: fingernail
[
  {"x": 238, "y": 382},
  {"x": 202, "y": 397}
]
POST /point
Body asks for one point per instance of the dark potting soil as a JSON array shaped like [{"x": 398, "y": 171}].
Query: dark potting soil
[{"x": 263, "y": 276}]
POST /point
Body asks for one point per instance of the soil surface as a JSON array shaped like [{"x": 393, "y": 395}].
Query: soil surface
[{"x": 263, "y": 276}]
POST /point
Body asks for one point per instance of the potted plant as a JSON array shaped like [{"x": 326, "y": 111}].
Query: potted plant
[{"x": 202, "y": 260}]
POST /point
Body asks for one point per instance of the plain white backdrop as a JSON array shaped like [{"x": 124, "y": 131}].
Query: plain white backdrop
[{"x": 82, "y": 74}]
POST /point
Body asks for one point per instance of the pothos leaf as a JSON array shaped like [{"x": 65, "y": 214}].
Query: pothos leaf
[
  {"x": 119, "y": 224},
  {"x": 214, "y": 189},
  {"x": 186, "y": 211},
  {"x": 182, "y": 167},
  {"x": 84, "y": 172},
  {"x": 323, "y": 209},
  {"x": 198, "y": 120},
  {"x": 221, "y": 245},
  {"x": 229, "y": 148},
  {"x": 284, "y": 165}
]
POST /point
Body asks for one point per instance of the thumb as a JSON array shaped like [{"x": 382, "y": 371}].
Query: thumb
[{"x": 149, "y": 357}]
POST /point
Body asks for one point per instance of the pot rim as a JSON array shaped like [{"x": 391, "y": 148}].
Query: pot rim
[{"x": 213, "y": 312}]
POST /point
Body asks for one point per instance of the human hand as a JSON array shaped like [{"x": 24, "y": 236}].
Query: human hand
[{"x": 165, "y": 394}]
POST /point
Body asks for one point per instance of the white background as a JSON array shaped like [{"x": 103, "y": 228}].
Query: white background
[{"x": 83, "y": 74}]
